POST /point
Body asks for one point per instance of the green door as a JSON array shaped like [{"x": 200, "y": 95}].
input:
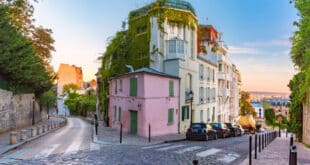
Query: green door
[{"x": 133, "y": 122}]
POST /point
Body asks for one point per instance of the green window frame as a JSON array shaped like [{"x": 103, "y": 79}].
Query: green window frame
[
  {"x": 171, "y": 88},
  {"x": 133, "y": 86},
  {"x": 170, "y": 115}
]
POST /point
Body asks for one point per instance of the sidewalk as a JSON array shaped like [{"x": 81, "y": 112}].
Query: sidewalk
[
  {"x": 5, "y": 145},
  {"x": 107, "y": 135},
  {"x": 277, "y": 153}
]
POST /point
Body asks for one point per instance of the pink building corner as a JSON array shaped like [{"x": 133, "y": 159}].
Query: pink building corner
[{"x": 142, "y": 98}]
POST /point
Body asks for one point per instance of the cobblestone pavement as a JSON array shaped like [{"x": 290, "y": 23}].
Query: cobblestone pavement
[
  {"x": 222, "y": 151},
  {"x": 75, "y": 136}
]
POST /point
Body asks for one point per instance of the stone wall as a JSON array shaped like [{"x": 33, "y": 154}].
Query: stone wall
[{"x": 16, "y": 110}]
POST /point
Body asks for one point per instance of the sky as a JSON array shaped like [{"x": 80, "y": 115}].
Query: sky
[{"x": 256, "y": 31}]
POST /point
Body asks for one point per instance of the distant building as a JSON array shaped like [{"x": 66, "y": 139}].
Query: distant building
[
  {"x": 258, "y": 109},
  {"x": 144, "y": 97},
  {"x": 68, "y": 74}
]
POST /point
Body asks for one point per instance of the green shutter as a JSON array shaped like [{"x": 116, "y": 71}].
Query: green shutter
[
  {"x": 170, "y": 115},
  {"x": 183, "y": 112},
  {"x": 171, "y": 88},
  {"x": 213, "y": 114},
  {"x": 133, "y": 87}
]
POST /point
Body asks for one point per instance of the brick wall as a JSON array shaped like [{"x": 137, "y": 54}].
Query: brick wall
[{"x": 16, "y": 110}]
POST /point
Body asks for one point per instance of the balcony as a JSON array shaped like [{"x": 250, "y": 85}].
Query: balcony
[
  {"x": 224, "y": 76},
  {"x": 176, "y": 48}
]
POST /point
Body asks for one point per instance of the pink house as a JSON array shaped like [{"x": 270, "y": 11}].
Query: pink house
[{"x": 144, "y": 97}]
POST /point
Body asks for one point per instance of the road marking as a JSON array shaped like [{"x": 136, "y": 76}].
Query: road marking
[
  {"x": 188, "y": 149},
  {"x": 170, "y": 147},
  {"x": 15, "y": 155},
  {"x": 45, "y": 153},
  {"x": 229, "y": 157},
  {"x": 94, "y": 146},
  {"x": 74, "y": 147},
  {"x": 208, "y": 152},
  {"x": 160, "y": 145}
]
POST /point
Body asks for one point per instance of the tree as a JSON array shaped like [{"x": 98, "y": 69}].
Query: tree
[
  {"x": 270, "y": 116},
  {"x": 19, "y": 63},
  {"x": 48, "y": 99},
  {"x": 69, "y": 88},
  {"x": 300, "y": 54},
  {"x": 245, "y": 106}
]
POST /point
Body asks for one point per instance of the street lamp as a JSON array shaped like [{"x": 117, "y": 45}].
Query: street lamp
[
  {"x": 191, "y": 96},
  {"x": 33, "y": 110}
]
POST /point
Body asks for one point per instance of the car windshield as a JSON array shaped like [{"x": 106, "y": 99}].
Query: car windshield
[
  {"x": 198, "y": 125},
  {"x": 229, "y": 125},
  {"x": 217, "y": 125}
]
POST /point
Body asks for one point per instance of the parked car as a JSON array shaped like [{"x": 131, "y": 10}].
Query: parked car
[
  {"x": 239, "y": 126},
  {"x": 233, "y": 131},
  {"x": 221, "y": 129},
  {"x": 200, "y": 131}
]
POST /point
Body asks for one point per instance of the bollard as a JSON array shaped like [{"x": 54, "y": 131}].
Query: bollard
[
  {"x": 121, "y": 134},
  {"x": 23, "y": 134},
  {"x": 291, "y": 140},
  {"x": 250, "y": 150},
  {"x": 195, "y": 162},
  {"x": 255, "y": 147},
  {"x": 259, "y": 143},
  {"x": 33, "y": 132},
  {"x": 291, "y": 144},
  {"x": 263, "y": 141},
  {"x": 149, "y": 133},
  {"x": 293, "y": 155},
  {"x": 13, "y": 137}
]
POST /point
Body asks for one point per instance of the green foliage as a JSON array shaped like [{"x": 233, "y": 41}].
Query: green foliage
[
  {"x": 19, "y": 64},
  {"x": 245, "y": 106},
  {"x": 270, "y": 116},
  {"x": 81, "y": 104},
  {"x": 48, "y": 99},
  {"x": 70, "y": 88},
  {"x": 266, "y": 104}
]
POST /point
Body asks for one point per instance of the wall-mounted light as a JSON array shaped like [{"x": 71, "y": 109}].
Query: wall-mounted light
[{"x": 139, "y": 105}]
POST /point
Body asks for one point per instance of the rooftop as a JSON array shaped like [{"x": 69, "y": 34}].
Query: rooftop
[{"x": 150, "y": 71}]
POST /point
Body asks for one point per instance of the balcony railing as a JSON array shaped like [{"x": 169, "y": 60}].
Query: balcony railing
[{"x": 176, "y": 48}]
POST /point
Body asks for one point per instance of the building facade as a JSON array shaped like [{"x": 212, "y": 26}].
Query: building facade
[
  {"x": 142, "y": 98},
  {"x": 68, "y": 74}
]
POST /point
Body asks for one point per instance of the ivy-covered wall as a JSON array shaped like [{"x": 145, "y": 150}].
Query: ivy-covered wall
[{"x": 132, "y": 46}]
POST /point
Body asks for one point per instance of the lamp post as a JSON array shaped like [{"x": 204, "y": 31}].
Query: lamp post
[
  {"x": 33, "y": 110},
  {"x": 191, "y": 96}
]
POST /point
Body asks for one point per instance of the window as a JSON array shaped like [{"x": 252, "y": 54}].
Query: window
[
  {"x": 120, "y": 85},
  {"x": 170, "y": 115},
  {"x": 133, "y": 87},
  {"x": 192, "y": 44},
  {"x": 201, "y": 116},
  {"x": 115, "y": 112},
  {"x": 208, "y": 72},
  {"x": 208, "y": 94},
  {"x": 201, "y": 95},
  {"x": 119, "y": 114},
  {"x": 213, "y": 94},
  {"x": 185, "y": 112},
  {"x": 115, "y": 87},
  {"x": 208, "y": 115},
  {"x": 227, "y": 84},
  {"x": 201, "y": 72},
  {"x": 213, "y": 75},
  {"x": 171, "y": 88},
  {"x": 220, "y": 67},
  {"x": 188, "y": 87},
  {"x": 213, "y": 114}
]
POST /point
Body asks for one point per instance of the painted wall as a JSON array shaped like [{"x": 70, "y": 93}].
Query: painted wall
[
  {"x": 151, "y": 104},
  {"x": 69, "y": 74}
]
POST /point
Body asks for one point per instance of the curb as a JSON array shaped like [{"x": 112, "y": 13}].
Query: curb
[
  {"x": 15, "y": 146},
  {"x": 175, "y": 140}
]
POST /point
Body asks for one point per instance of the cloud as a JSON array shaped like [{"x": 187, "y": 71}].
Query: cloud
[
  {"x": 278, "y": 42},
  {"x": 242, "y": 50}
]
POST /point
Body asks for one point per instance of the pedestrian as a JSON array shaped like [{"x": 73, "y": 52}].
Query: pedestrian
[{"x": 96, "y": 123}]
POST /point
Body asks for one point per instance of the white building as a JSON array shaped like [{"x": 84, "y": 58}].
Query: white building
[{"x": 258, "y": 109}]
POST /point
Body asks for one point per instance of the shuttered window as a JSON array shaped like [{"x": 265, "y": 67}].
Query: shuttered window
[
  {"x": 171, "y": 88},
  {"x": 133, "y": 87},
  {"x": 170, "y": 115}
]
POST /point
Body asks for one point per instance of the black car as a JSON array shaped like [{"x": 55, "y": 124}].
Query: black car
[
  {"x": 233, "y": 131},
  {"x": 221, "y": 129},
  {"x": 200, "y": 131}
]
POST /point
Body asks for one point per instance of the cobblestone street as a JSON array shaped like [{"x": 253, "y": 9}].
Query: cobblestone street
[{"x": 221, "y": 151}]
